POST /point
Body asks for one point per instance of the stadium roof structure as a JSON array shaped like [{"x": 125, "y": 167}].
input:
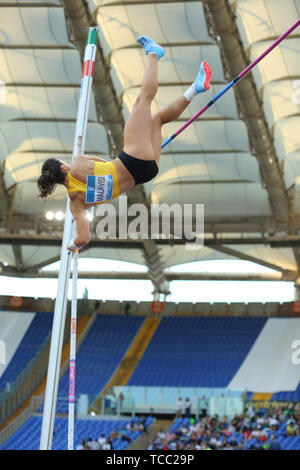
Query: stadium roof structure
[{"x": 240, "y": 159}]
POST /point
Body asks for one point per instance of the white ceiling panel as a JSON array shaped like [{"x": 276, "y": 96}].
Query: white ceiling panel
[
  {"x": 166, "y": 22},
  {"x": 173, "y": 255},
  {"x": 39, "y": 66},
  {"x": 54, "y": 136},
  {"x": 7, "y": 255},
  {"x": 225, "y": 108},
  {"x": 210, "y": 163},
  {"x": 42, "y": 102},
  {"x": 210, "y": 136},
  {"x": 287, "y": 137},
  {"x": 28, "y": 202},
  {"x": 281, "y": 100},
  {"x": 220, "y": 200},
  {"x": 180, "y": 64},
  {"x": 18, "y": 27},
  {"x": 281, "y": 63},
  {"x": 261, "y": 19},
  {"x": 207, "y": 167}
]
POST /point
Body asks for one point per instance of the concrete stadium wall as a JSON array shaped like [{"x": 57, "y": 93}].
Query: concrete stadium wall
[{"x": 110, "y": 307}]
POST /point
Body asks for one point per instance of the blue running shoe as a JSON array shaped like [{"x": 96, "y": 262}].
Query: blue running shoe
[
  {"x": 151, "y": 46},
  {"x": 202, "y": 82}
]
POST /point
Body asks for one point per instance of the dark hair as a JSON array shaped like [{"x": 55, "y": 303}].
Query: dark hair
[{"x": 52, "y": 174}]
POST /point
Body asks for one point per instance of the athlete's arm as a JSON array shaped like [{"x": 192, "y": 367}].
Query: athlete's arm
[{"x": 82, "y": 225}]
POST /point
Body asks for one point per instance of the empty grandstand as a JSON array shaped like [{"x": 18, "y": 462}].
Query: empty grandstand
[{"x": 192, "y": 357}]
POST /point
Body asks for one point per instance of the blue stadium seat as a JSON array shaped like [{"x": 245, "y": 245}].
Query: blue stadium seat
[
  {"x": 208, "y": 352},
  {"x": 99, "y": 356},
  {"x": 287, "y": 396},
  {"x": 28, "y": 436},
  {"x": 36, "y": 334}
]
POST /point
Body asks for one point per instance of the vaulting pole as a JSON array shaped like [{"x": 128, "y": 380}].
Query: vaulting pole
[
  {"x": 72, "y": 365},
  {"x": 232, "y": 83},
  {"x": 65, "y": 260}
]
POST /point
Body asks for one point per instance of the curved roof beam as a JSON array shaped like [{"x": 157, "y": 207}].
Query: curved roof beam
[{"x": 222, "y": 24}]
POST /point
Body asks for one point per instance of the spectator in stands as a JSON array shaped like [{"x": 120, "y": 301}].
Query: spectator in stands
[
  {"x": 170, "y": 436},
  {"x": 187, "y": 408},
  {"x": 143, "y": 422},
  {"x": 179, "y": 433},
  {"x": 273, "y": 422},
  {"x": 207, "y": 423},
  {"x": 204, "y": 446},
  {"x": 194, "y": 427},
  {"x": 291, "y": 420},
  {"x": 242, "y": 445},
  {"x": 257, "y": 446},
  {"x": 203, "y": 406},
  {"x": 250, "y": 412},
  {"x": 101, "y": 440},
  {"x": 291, "y": 429},
  {"x": 240, "y": 424},
  {"x": 215, "y": 441},
  {"x": 123, "y": 434},
  {"x": 114, "y": 435},
  {"x": 157, "y": 443},
  {"x": 185, "y": 430},
  {"x": 255, "y": 432},
  {"x": 120, "y": 434},
  {"x": 261, "y": 420},
  {"x": 241, "y": 432},
  {"x": 131, "y": 426},
  {"x": 297, "y": 418},
  {"x": 139, "y": 426},
  {"x": 287, "y": 411},
  {"x": 231, "y": 429},
  {"x": 165, "y": 445},
  {"x": 179, "y": 407},
  {"x": 223, "y": 423},
  {"x": 83, "y": 445},
  {"x": 151, "y": 445},
  {"x": 227, "y": 446},
  {"x": 107, "y": 444},
  {"x": 161, "y": 435},
  {"x": 92, "y": 444},
  {"x": 274, "y": 443},
  {"x": 121, "y": 399},
  {"x": 281, "y": 416}
]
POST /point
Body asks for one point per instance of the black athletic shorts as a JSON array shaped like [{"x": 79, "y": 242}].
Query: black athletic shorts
[{"x": 141, "y": 170}]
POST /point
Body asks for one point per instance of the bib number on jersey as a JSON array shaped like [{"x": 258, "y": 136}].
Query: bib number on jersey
[{"x": 99, "y": 188}]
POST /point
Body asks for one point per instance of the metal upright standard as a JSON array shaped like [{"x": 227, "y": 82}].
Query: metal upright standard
[
  {"x": 232, "y": 83},
  {"x": 65, "y": 260}
]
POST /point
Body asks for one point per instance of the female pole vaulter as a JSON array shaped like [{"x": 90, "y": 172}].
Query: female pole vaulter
[{"x": 91, "y": 180}]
